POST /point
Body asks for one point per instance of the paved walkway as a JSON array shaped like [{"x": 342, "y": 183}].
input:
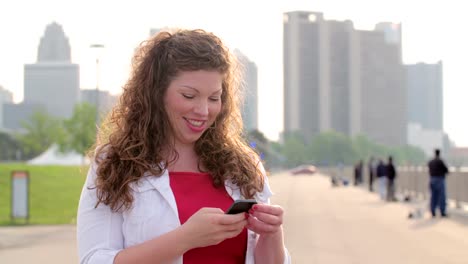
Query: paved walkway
[
  {"x": 347, "y": 225},
  {"x": 38, "y": 244},
  {"x": 323, "y": 225}
]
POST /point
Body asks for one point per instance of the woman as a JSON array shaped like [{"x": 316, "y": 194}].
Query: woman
[{"x": 170, "y": 160}]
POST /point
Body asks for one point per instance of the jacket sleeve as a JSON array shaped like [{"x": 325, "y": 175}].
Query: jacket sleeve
[
  {"x": 264, "y": 197},
  {"x": 99, "y": 230}
]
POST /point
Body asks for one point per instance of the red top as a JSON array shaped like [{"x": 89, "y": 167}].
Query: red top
[{"x": 193, "y": 191}]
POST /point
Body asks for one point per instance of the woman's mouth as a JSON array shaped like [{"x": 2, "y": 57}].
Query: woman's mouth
[{"x": 195, "y": 125}]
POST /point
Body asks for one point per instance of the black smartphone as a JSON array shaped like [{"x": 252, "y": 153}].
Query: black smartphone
[{"x": 239, "y": 206}]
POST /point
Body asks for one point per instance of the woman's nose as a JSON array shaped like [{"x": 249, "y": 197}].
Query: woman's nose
[{"x": 202, "y": 108}]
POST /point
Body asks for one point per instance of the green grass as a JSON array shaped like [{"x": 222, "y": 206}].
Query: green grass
[{"x": 54, "y": 192}]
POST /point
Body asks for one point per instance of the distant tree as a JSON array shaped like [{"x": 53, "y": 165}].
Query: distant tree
[
  {"x": 9, "y": 146},
  {"x": 363, "y": 147},
  {"x": 40, "y": 132},
  {"x": 332, "y": 148},
  {"x": 409, "y": 155},
  {"x": 80, "y": 130},
  {"x": 294, "y": 149},
  {"x": 272, "y": 158}
]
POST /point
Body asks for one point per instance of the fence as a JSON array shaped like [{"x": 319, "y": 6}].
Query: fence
[{"x": 414, "y": 181}]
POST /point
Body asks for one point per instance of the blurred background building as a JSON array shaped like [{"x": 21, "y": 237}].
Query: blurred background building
[
  {"x": 103, "y": 99},
  {"x": 425, "y": 106},
  {"x": 53, "y": 81},
  {"x": 250, "y": 86},
  {"x": 52, "y": 85},
  {"x": 354, "y": 82},
  {"x": 336, "y": 78},
  {"x": 6, "y": 97}
]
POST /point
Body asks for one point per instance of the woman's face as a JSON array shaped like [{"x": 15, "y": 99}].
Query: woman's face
[{"x": 192, "y": 102}]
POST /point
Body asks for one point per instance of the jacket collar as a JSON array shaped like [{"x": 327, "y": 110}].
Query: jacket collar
[
  {"x": 162, "y": 185},
  {"x": 232, "y": 189}
]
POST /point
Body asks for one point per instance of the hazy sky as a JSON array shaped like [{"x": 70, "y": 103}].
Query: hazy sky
[{"x": 432, "y": 31}]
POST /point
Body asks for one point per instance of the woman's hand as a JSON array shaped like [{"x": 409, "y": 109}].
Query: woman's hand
[
  {"x": 211, "y": 226},
  {"x": 265, "y": 219}
]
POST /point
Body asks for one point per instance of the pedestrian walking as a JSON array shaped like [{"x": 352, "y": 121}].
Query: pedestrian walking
[
  {"x": 437, "y": 172},
  {"x": 391, "y": 176},
  {"x": 372, "y": 169},
  {"x": 382, "y": 178}
]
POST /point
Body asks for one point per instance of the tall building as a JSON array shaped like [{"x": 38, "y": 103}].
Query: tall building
[
  {"x": 6, "y": 97},
  {"x": 54, "y": 80},
  {"x": 14, "y": 115},
  {"x": 425, "y": 106},
  {"x": 383, "y": 86},
  {"x": 341, "y": 79},
  {"x": 250, "y": 85},
  {"x": 425, "y": 95},
  {"x": 305, "y": 79},
  {"x": 105, "y": 101}
]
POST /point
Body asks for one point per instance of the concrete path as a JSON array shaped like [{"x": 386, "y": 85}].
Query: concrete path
[
  {"x": 38, "y": 244},
  {"x": 322, "y": 225},
  {"x": 347, "y": 225}
]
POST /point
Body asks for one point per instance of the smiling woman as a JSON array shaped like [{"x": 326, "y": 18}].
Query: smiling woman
[
  {"x": 193, "y": 101},
  {"x": 171, "y": 159}
]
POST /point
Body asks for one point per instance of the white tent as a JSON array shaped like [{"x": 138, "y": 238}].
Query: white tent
[{"x": 53, "y": 156}]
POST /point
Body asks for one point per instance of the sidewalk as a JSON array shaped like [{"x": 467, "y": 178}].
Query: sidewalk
[
  {"x": 342, "y": 225},
  {"x": 323, "y": 224},
  {"x": 38, "y": 244}
]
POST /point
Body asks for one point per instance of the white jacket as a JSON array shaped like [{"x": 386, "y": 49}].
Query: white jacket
[{"x": 102, "y": 233}]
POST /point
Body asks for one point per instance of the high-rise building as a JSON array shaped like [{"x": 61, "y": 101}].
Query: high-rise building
[
  {"x": 5, "y": 98},
  {"x": 341, "y": 79},
  {"x": 383, "y": 86},
  {"x": 54, "y": 45},
  {"x": 425, "y": 95},
  {"x": 344, "y": 78},
  {"x": 54, "y": 80},
  {"x": 250, "y": 85},
  {"x": 105, "y": 101},
  {"x": 15, "y": 115},
  {"x": 305, "y": 79},
  {"x": 5, "y": 95}
]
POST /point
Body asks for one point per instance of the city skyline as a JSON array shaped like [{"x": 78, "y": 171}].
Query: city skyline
[
  {"x": 346, "y": 80},
  {"x": 258, "y": 35}
]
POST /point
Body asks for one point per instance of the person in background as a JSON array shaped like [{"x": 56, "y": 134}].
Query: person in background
[
  {"x": 358, "y": 170},
  {"x": 372, "y": 167},
  {"x": 391, "y": 176},
  {"x": 169, "y": 161},
  {"x": 437, "y": 172},
  {"x": 382, "y": 179}
]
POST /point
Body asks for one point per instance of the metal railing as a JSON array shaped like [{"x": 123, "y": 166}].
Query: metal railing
[{"x": 414, "y": 181}]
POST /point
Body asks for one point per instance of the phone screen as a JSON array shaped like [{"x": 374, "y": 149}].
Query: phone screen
[{"x": 240, "y": 206}]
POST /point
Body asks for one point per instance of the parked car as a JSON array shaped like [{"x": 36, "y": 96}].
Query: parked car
[{"x": 304, "y": 169}]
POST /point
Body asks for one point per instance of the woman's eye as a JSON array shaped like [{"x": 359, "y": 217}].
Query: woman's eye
[
  {"x": 188, "y": 96},
  {"x": 214, "y": 99}
]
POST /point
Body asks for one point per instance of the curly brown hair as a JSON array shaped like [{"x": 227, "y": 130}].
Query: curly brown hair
[{"x": 132, "y": 138}]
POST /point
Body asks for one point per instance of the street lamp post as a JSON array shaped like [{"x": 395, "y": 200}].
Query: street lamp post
[{"x": 97, "y": 47}]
